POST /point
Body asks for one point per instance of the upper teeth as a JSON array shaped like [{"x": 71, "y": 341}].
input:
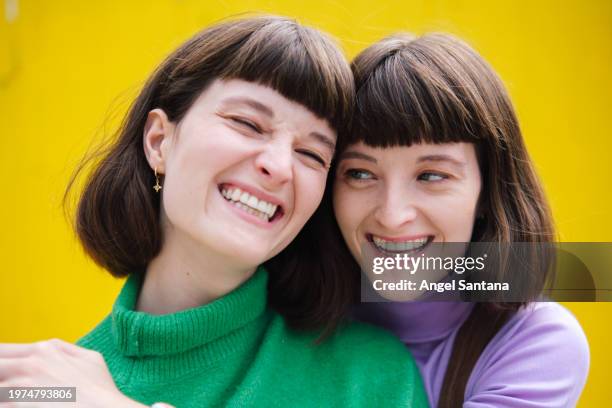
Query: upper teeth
[
  {"x": 399, "y": 245},
  {"x": 261, "y": 208}
]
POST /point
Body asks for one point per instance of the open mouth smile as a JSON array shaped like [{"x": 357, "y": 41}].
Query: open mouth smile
[
  {"x": 251, "y": 204},
  {"x": 399, "y": 245}
]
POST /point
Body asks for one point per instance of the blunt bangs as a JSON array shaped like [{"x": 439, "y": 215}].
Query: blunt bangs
[
  {"x": 294, "y": 61},
  {"x": 300, "y": 63},
  {"x": 431, "y": 89}
]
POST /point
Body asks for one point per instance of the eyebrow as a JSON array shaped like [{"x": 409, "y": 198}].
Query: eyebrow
[
  {"x": 440, "y": 158},
  {"x": 350, "y": 154},
  {"x": 326, "y": 140},
  {"x": 258, "y": 106}
]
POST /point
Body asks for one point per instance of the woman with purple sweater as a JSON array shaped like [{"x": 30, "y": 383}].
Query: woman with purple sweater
[{"x": 436, "y": 156}]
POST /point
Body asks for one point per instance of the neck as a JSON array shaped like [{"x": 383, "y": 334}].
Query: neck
[
  {"x": 406, "y": 319},
  {"x": 184, "y": 275}
]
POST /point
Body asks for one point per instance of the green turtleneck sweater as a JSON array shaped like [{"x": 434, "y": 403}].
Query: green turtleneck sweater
[{"x": 236, "y": 352}]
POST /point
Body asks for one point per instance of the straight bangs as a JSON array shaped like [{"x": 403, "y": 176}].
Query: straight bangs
[
  {"x": 301, "y": 63},
  {"x": 423, "y": 90},
  {"x": 296, "y": 62}
]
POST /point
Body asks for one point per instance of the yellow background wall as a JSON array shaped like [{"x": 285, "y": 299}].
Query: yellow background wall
[{"x": 69, "y": 68}]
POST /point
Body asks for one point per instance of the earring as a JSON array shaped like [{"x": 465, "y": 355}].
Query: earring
[{"x": 156, "y": 187}]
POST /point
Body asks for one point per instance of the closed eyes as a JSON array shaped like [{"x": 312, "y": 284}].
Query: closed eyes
[
  {"x": 246, "y": 123},
  {"x": 313, "y": 156}
]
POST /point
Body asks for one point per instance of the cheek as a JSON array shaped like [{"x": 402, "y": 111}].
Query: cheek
[
  {"x": 180, "y": 193},
  {"x": 191, "y": 175},
  {"x": 352, "y": 209},
  {"x": 203, "y": 158},
  {"x": 455, "y": 225},
  {"x": 213, "y": 147},
  {"x": 309, "y": 191},
  {"x": 338, "y": 203},
  {"x": 348, "y": 208}
]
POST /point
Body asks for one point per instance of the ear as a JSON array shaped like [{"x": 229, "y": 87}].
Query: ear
[{"x": 157, "y": 139}]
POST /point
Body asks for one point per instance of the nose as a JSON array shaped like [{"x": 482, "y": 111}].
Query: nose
[
  {"x": 274, "y": 164},
  {"x": 395, "y": 208}
]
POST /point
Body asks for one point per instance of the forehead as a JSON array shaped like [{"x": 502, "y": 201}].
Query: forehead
[{"x": 261, "y": 99}]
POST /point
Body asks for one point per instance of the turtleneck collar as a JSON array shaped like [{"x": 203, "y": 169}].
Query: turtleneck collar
[
  {"x": 416, "y": 322},
  {"x": 139, "y": 334}
]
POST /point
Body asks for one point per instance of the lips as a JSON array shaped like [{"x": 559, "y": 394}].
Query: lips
[{"x": 394, "y": 245}]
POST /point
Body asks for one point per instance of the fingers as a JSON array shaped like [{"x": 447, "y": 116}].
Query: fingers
[
  {"x": 34, "y": 358},
  {"x": 57, "y": 345},
  {"x": 10, "y": 367},
  {"x": 14, "y": 350}
]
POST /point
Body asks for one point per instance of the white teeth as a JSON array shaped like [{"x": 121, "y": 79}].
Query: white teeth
[
  {"x": 244, "y": 198},
  {"x": 399, "y": 246},
  {"x": 263, "y": 206},
  {"x": 249, "y": 203},
  {"x": 253, "y": 201},
  {"x": 272, "y": 209}
]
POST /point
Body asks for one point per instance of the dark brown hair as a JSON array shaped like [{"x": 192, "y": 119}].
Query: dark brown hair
[
  {"x": 117, "y": 220},
  {"x": 437, "y": 89}
]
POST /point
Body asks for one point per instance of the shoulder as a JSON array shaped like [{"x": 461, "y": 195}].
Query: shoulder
[
  {"x": 540, "y": 356},
  {"x": 547, "y": 327},
  {"x": 372, "y": 361}
]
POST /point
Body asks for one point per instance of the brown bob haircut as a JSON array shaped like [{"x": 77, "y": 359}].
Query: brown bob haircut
[
  {"x": 437, "y": 89},
  {"x": 117, "y": 220}
]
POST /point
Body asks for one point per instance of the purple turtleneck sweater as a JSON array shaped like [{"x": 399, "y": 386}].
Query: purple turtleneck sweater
[{"x": 539, "y": 358}]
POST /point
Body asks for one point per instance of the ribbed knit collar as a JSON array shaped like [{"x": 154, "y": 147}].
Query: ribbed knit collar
[
  {"x": 416, "y": 321},
  {"x": 142, "y": 334}
]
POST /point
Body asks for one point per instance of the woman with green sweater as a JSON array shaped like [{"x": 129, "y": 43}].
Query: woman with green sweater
[{"x": 205, "y": 202}]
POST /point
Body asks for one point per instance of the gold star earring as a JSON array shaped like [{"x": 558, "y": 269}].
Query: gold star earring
[{"x": 156, "y": 187}]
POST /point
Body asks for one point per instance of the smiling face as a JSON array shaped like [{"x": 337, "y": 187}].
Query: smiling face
[
  {"x": 243, "y": 171},
  {"x": 403, "y": 198}
]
